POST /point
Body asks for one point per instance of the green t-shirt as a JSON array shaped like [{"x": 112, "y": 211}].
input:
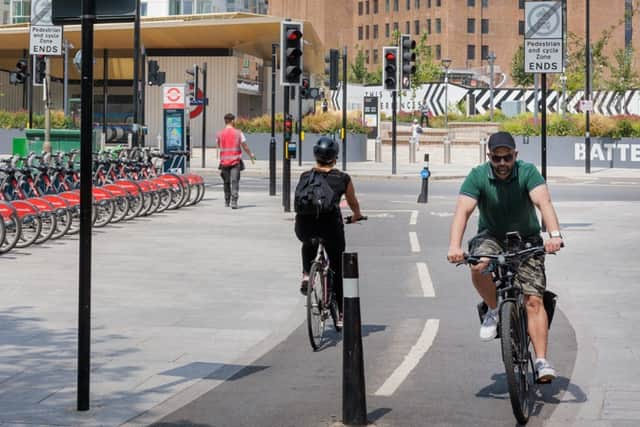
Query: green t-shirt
[{"x": 504, "y": 204}]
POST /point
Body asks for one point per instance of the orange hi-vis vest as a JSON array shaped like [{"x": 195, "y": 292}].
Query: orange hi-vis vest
[{"x": 230, "y": 152}]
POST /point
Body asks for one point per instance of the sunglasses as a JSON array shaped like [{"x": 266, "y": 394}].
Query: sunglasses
[{"x": 496, "y": 159}]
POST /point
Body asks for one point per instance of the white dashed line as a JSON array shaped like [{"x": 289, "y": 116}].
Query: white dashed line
[
  {"x": 411, "y": 360},
  {"x": 425, "y": 280},
  {"x": 414, "y": 218},
  {"x": 413, "y": 239}
]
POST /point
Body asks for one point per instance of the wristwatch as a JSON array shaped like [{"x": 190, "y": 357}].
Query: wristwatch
[{"x": 555, "y": 233}]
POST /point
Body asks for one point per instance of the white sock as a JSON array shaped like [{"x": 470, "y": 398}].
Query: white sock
[{"x": 540, "y": 360}]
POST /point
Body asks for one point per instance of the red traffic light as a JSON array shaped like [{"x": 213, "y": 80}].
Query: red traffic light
[
  {"x": 293, "y": 35},
  {"x": 390, "y": 56}
]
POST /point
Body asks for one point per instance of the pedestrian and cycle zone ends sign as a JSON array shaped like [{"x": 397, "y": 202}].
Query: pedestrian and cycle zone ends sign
[{"x": 543, "y": 43}]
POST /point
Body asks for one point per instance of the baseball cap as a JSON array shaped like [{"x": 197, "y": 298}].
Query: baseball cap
[{"x": 501, "y": 139}]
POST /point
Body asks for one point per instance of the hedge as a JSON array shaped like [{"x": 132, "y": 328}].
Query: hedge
[{"x": 19, "y": 120}]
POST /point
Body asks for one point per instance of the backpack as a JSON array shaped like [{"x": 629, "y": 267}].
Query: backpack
[{"x": 314, "y": 195}]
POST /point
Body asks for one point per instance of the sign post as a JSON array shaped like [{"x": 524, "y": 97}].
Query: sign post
[{"x": 543, "y": 53}]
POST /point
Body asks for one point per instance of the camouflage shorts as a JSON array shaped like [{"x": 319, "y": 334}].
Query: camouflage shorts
[{"x": 531, "y": 276}]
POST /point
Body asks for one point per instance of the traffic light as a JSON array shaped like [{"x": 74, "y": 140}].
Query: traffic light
[
  {"x": 288, "y": 127},
  {"x": 40, "y": 71},
  {"x": 332, "y": 59},
  {"x": 192, "y": 84},
  {"x": 390, "y": 68},
  {"x": 304, "y": 88},
  {"x": 407, "y": 47},
  {"x": 291, "y": 48},
  {"x": 155, "y": 76},
  {"x": 19, "y": 76}
]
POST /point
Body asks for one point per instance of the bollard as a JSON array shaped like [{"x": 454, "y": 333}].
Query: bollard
[
  {"x": 412, "y": 150},
  {"x": 378, "y": 150},
  {"x": 447, "y": 150},
  {"x": 425, "y": 174},
  {"x": 129, "y": 140},
  {"x": 354, "y": 405},
  {"x": 483, "y": 150}
]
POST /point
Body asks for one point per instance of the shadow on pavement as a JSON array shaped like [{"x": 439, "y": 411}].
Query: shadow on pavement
[{"x": 181, "y": 423}]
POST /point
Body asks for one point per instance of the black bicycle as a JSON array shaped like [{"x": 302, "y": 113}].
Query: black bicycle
[
  {"x": 512, "y": 323},
  {"x": 321, "y": 298}
]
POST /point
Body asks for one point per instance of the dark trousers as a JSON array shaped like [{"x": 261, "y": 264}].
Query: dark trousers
[
  {"x": 424, "y": 117},
  {"x": 231, "y": 179},
  {"x": 331, "y": 230}
]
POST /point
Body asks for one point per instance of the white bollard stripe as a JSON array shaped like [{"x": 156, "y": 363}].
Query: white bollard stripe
[
  {"x": 413, "y": 239},
  {"x": 350, "y": 288},
  {"x": 425, "y": 280},
  {"x": 411, "y": 360}
]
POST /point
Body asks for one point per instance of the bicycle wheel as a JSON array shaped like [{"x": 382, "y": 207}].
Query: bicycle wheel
[
  {"x": 315, "y": 306},
  {"x": 516, "y": 358},
  {"x": 13, "y": 230},
  {"x": 31, "y": 225}
]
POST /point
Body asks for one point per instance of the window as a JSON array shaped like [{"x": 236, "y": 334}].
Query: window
[
  {"x": 520, "y": 4},
  {"x": 438, "y": 52},
  {"x": 143, "y": 8},
  {"x": 375, "y": 56},
  {"x": 416, "y": 27},
  {"x": 417, "y": 4},
  {"x": 387, "y": 30},
  {"x": 471, "y": 3},
  {"x": 395, "y": 5},
  {"x": 408, "y": 4},
  {"x": 471, "y": 25},
  {"x": 360, "y": 8},
  {"x": 429, "y": 4},
  {"x": 484, "y": 51},
  {"x": 438, "y": 26},
  {"x": 366, "y": 32},
  {"x": 375, "y": 32},
  {"x": 21, "y": 11},
  {"x": 386, "y": 5},
  {"x": 204, "y": 6},
  {"x": 360, "y": 33},
  {"x": 375, "y": 7},
  {"x": 407, "y": 27},
  {"x": 395, "y": 26},
  {"x": 366, "y": 56},
  {"x": 438, "y": 3},
  {"x": 471, "y": 51},
  {"x": 485, "y": 26},
  {"x": 366, "y": 7},
  {"x": 521, "y": 28},
  {"x": 485, "y": 3},
  {"x": 428, "y": 26}
]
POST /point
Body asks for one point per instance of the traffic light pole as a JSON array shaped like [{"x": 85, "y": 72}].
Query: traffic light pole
[
  {"x": 286, "y": 162},
  {"x": 29, "y": 86},
  {"x": 299, "y": 147},
  {"x": 143, "y": 90},
  {"x": 136, "y": 73},
  {"x": 543, "y": 130},
  {"x": 272, "y": 142},
  {"x": 46, "y": 146},
  {"x": 84, "y": 300},
  {"x": 344, "y": 109},
  {"x": 204, "y": 113},
  {"x": 394, "y": 101}
]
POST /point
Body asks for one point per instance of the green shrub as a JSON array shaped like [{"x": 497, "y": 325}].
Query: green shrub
[
  {"x": 19, "y": 120},
  {"x": 322, "y": 123}
]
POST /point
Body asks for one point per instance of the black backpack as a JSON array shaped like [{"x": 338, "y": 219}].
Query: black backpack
[{"x": 314, "y": 195}]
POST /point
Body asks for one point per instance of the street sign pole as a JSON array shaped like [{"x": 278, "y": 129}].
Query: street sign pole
[
  {"x": 84, "y": 309},
  {"x": 272, "y": 142},
  {"x": 394, "y": 101},
  {"x": 204, "y": 113},
  {"x": 543, "y": 131},
  {"x": 587, "y": 93},
  {"x": 344, "y": 109}
]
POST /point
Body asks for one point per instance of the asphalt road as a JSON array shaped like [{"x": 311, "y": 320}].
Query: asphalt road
[{"x": 458, "y": 381}]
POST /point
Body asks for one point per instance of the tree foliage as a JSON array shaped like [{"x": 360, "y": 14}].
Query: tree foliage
[
  {"x": 519, "y": 77},
  {"x": 623, "y": 76}
]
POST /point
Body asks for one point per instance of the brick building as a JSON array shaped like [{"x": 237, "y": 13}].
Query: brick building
[{"x": 464, "y": 31}]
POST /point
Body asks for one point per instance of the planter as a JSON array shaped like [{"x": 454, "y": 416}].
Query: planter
[
  {"x": 570, "y": 151},
  {"x": 356, "y": 146}
]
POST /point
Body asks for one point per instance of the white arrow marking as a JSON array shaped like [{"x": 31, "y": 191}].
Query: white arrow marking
[{"x": 411, "y": 360}]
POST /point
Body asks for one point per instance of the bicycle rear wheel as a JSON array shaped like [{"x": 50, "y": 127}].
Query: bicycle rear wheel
[
  {"x": 516, "y": 358},
  {"x": 315, "y": 306}
]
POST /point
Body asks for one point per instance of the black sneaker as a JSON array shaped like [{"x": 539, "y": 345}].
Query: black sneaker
[
  {"x": 226, "y": 204},
  {"x": 304, "y": 285},
  {"x": 234, "y": 205}
]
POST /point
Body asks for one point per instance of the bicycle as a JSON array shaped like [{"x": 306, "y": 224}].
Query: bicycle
[
  {"x": 321, "y": 298},
  {"x": 512, "y": 320}
]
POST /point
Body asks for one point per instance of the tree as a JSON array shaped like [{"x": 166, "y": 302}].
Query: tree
[
  {"x": 623, "y": 76},
  {"x": 518, "y": 75},
  {"x": 426, "y": 69},
  {"x": 374, "y": 78},
  {"x": 358, "y": 72}
]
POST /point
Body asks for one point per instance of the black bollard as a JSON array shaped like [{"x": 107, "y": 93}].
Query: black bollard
[
  {"x": 354, "y": 405},
  {"x": 425, "y": 174}
]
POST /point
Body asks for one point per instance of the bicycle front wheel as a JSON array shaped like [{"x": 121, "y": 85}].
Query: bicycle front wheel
[
  {"x": 516, "y": 358},
  {"x": 316, "y": 306}
]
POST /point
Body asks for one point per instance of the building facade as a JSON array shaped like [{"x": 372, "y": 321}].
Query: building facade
[{"x": 464, "y": 31}]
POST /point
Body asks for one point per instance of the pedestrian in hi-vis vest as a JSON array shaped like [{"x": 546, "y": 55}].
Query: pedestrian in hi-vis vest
[{"x": 231, "y": 141}]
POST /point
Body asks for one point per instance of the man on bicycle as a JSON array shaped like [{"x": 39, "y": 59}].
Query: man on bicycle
[
  {"x": 328, "y": 226},
  {"x": 507, "y": 191}
]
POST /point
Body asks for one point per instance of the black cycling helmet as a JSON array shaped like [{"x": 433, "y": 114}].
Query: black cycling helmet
[{"x": 326, "y": 150}]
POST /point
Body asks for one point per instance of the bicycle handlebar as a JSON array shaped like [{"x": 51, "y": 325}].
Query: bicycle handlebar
[
  {"x": 506, "y": 256},
  {"x": 349, "y": 219}
]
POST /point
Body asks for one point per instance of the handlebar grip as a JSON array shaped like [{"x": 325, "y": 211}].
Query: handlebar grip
[{"x": 349, "y": 219}]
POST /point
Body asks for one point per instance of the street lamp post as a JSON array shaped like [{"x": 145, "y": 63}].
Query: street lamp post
[
  {"x": 492, "y": 59},
  {"x": 446, "y": 63},
  {"x": 563, "y": 102}
]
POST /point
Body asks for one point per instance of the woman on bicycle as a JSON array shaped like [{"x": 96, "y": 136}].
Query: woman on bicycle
[{"x": 328, "y": 226}]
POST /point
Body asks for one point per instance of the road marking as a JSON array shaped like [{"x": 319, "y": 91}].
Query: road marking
[
  {"x": 413, "y": 239},
  {"x": 411, "y": 360},
  {"x": 414, "y": 218},
  {"x": 441, "y": 214},
  {"x": 425, "y": 280}
]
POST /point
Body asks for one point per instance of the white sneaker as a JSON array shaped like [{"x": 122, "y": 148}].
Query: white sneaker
[
  {"x": 545, "y": 371},
  {"x": 489, "y": 328}
]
